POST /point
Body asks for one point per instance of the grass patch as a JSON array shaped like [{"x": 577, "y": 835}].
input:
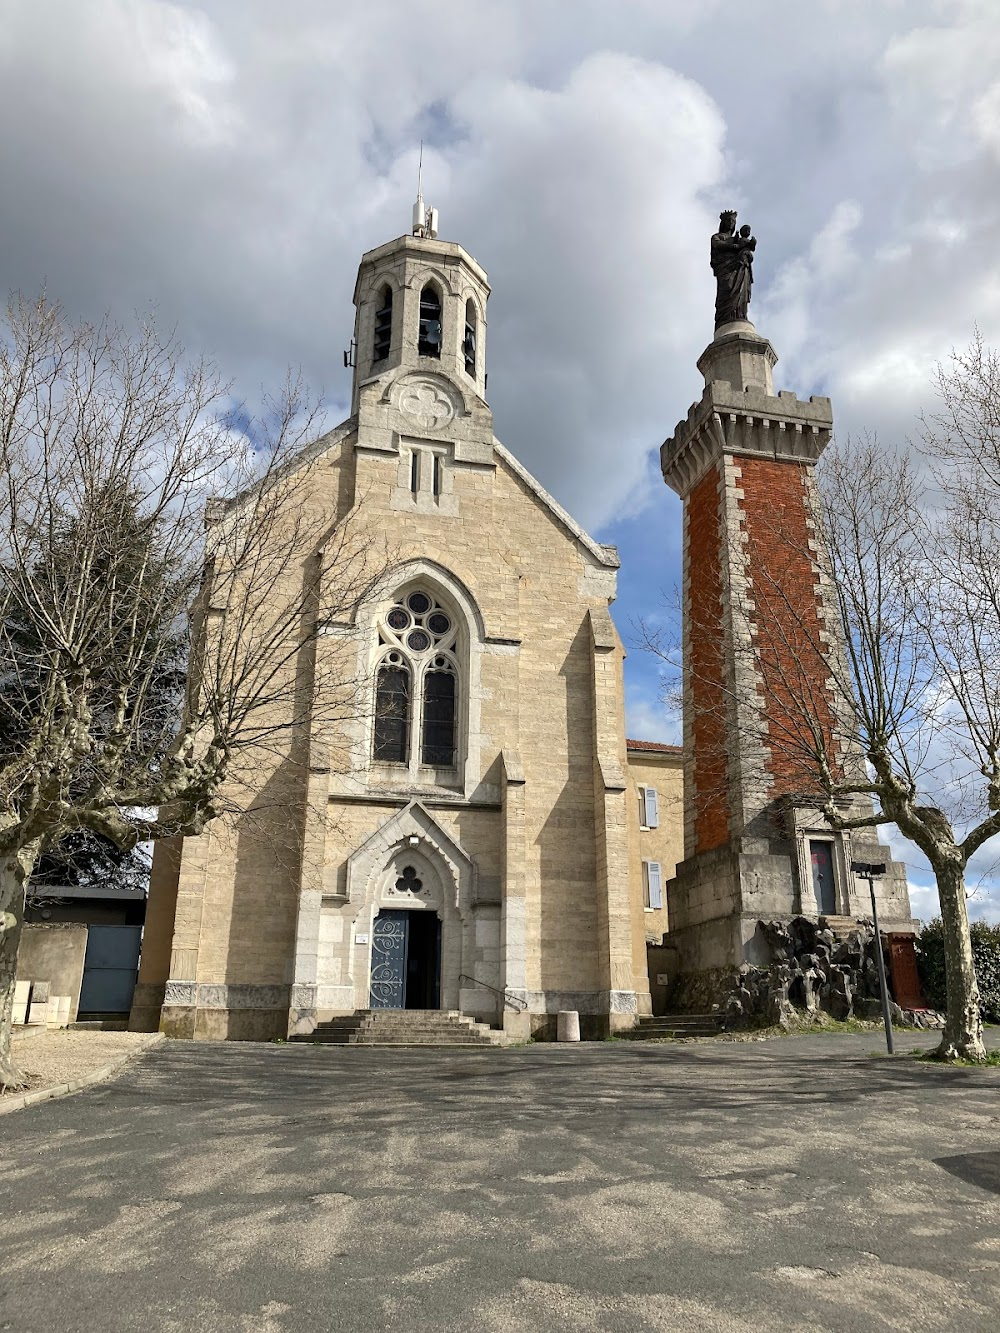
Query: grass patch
[
  {"x": 810, "y": 1025},
  {"x": 992, "y": 1060}
]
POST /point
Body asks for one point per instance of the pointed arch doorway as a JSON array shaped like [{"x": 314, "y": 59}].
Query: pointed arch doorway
[
  {"x": 406, "y": 960},
  {"x": 406, "y": 932}
]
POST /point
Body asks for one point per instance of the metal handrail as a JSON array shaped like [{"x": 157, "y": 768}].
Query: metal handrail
[{"x": 514, "y": 1001}]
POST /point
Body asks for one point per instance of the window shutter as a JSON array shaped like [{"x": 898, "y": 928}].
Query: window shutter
[
  {"x": 652, "y": 814},
  {"x": 655, "y": 883}
]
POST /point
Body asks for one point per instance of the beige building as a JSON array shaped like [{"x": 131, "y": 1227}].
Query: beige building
[
  {"x": 656, "y": 780},
  {"x": 483, "y": 849}
]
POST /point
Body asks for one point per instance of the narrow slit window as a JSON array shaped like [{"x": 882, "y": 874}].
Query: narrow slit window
[
  {"x": 437, "y": 475},
  {"x": 429, "y": 336},
  {"x": 438, "y": 748},
  {"x": 414, "y": 471},
  {"x": 383, "y": 326},
  {"x": 392, "y": 714},
  {"x": 469, "y": 341}
]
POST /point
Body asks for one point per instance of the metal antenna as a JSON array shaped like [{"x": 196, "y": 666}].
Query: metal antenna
[{"x": 424, "y": 219}]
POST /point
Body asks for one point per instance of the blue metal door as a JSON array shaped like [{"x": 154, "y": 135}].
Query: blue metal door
[
  {"x": 390, "y": 940},
  {"x": 110, "y": 966}
]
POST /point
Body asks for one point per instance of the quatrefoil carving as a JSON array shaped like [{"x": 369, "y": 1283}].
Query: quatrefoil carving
[{"x": 427, "y": 403}]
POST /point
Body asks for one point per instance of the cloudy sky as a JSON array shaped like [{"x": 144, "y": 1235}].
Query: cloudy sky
[{"x": 228, "y": 161}]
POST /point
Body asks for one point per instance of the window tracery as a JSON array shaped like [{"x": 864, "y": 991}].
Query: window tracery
[
  {"x": 409, "y": 882},
  {"x": 416, "y": 684}
]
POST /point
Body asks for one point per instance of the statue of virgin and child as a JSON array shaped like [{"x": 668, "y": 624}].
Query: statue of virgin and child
[{"x": 732, "y": 264}]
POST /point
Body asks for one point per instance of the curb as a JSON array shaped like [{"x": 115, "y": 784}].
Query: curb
[{"x": 18, "y": 1103}]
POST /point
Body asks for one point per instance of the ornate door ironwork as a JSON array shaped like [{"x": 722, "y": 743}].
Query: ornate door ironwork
[{"x": 390, "y": 940}]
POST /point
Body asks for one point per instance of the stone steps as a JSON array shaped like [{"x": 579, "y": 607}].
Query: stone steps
[
  {"x": 405, "y": 1027},
  {"x": 675, "y": 1026}
]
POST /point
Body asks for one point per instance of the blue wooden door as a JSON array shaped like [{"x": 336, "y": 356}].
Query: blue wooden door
[
  {"x": 821, "y": 856},
  {"x": 109, "y": 969},
  {"x": 390, "y": 939}
]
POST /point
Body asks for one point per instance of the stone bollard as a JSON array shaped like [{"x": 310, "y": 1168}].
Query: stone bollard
[{"x": 568, "y": 1025}]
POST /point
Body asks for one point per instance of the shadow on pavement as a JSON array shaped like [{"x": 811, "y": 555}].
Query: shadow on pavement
[{"x": 975, "y": 1168}]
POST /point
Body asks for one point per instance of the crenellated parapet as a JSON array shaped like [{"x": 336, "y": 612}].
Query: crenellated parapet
[{"x": 781, "y": 427}]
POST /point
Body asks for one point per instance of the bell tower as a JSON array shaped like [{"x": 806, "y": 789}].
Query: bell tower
[{"x": 421, "y": 306}]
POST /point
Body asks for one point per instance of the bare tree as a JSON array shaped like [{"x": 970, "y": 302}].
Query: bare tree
[
  {"x": 885, "y": 709},
  {"x": 917, "y": 685},
  {"x": 167, "y": 569}
]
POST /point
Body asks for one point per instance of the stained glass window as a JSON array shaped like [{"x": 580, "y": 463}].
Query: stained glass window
[{"x": 392, "y": 714}]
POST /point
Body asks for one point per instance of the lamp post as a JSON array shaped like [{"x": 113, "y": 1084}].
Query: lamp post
[{"x": 864, "y": 870}]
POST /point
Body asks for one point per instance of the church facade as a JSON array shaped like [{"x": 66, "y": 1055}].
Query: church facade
[
  {"x": 480, "y": 835},
  {"x": 494, "y": 844}
]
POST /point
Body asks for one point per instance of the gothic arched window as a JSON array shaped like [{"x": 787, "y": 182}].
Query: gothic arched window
[
  {"x": 417, "y": 684},
  {"x": 438, "y": 747},
  {"x": 469, "y": 341},
  {"x": 392, "y": 710},
  {"x": 383, "y": 326},
  {"x": 429, "y": 336}
]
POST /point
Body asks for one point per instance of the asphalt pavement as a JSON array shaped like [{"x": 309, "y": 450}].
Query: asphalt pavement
[{"x": 795, "y": 1184}]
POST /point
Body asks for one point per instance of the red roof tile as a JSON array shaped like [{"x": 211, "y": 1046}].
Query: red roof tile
[{"x": 654, "y": 746}]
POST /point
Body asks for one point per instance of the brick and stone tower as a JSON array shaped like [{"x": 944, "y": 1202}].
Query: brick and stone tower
[{"x": 755, "y": 607}]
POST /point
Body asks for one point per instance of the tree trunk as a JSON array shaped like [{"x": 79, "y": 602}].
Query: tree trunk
[
  {"x": 13, "y": 878},
  {"x": 963, "y": 1030}
]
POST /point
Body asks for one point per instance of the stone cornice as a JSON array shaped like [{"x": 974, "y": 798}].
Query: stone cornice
[{"x": 445, "y": 253}]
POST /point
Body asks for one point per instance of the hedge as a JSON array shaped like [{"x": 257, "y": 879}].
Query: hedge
[{"x": 985, "y": 956}]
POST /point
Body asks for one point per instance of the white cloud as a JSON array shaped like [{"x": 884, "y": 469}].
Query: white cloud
[
  {"x": 229, "y": 162},
  {"x": 935, "y": 76},
  {"x": 982, "y": 881},
  {"x": 647, "y": 719},
  {"x": 808, "y": 280},
  {"x": 578, "y": 189}
]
